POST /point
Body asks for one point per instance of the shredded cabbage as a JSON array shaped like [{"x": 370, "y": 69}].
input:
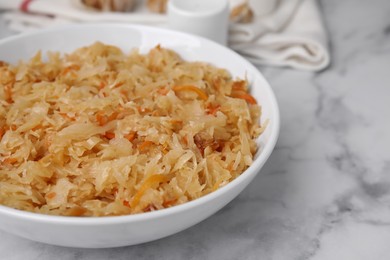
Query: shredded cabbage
[{"x": 100, "y": 133}]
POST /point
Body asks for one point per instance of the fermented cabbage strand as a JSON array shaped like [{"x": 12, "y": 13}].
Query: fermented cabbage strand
[{"x": 100, "y": 133}]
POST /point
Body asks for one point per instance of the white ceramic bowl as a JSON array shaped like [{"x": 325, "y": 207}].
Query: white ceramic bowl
[{"x": 134, "y": 229}]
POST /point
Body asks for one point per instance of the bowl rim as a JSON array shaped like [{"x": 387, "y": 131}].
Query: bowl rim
[{"x": 107, "y": 220}]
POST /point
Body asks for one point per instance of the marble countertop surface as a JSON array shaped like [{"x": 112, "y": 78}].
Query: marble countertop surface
[{"x": 325, "y": 192}]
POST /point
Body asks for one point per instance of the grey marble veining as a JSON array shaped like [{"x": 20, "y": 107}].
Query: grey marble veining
[{"x": 325, "y": 192}]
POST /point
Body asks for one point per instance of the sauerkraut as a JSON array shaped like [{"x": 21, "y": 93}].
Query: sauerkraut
[{"x": 100, "y": 133}]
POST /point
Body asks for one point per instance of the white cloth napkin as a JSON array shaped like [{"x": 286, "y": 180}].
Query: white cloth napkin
[{"x": 292, "y": 34}]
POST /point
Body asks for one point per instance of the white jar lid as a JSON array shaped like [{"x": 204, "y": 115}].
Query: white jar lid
[{"x": 207, "y": 18}]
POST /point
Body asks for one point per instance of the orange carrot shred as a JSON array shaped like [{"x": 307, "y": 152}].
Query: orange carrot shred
[
  {"x": 109, "y": 135},
  {"x": 176, "y": 121},
  {"x": 126, "y": 203},
  {"x": 10, "y": 160},
  {"x": 163, "y": 91},
  {"x": 36, "y": 127},
  {"x": 212, "y": 110},
  {"x": 194, "y": 89},
  {"x": 102, "y": 85},
  {"x": 230, "y": 167},
  {"x": 185, "y": 140},
  {"x": 239, "y": 85},
  {"x": 247, "y": 97},
  {"x": 130, "y": 136},
  {"x": 8, "y": 92},
  {"x": 113, "y": 116},
  {"x": 169, "y": 203},
  {"x": 70, "y": 68},
  {"x": 65, "y": 115},
  {"x": 2, "y": 132},
  {"x": 118, "y": 84},
  {"x": 143, "y": 146},
  {"x": 76, "y": 211},
  {"x": 101, "y": 118},
  {"x": 51, "y": 195},
  {"x": 148, "y": 183}
]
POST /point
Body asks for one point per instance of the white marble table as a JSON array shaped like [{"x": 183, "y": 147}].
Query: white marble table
[{"x": 325, "y": 192}]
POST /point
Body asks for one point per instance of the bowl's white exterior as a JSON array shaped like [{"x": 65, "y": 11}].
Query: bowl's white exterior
[{"x": 129, "y": 230}]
